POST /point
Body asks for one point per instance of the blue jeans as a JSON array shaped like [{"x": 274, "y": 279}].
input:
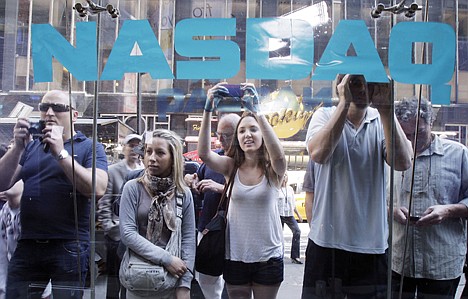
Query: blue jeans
[
  {"x": 112, "y": 266},
  {"x": 296, "y": 240},
  {"x": 35, "y": 262}
]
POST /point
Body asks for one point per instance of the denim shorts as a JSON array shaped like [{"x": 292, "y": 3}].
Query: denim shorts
[{"x": 270, "y": 272}]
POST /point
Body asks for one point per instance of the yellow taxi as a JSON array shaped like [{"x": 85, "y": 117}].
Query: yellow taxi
[
  {"x": 295, "y": 180},
  {"x": 300, "y": 206}
]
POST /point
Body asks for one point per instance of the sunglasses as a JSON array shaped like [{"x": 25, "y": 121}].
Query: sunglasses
[{"x": 44, "y": 107}]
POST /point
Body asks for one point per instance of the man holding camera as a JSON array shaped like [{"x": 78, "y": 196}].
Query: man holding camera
[
  {"x": 436, "y": 238},
  {"x": 350, "y": 144},
  {"x": 54, "y": 242}
]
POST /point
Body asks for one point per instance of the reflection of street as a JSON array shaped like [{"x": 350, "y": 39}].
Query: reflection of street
[
  {"x": 291, "y": 287},
  {"x": 293, "y": 273}
]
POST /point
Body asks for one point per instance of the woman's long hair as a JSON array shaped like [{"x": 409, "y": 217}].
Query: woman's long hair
[
  {"x": 176, "y": 148},
  {"x": 236, "y": 152}
]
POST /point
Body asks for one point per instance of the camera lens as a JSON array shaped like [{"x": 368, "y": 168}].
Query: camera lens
[{"x": 35, "y": 129}]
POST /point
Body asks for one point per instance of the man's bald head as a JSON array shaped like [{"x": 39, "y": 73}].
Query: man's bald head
[
  {"x": 59, "y": 96},
  {"x": 226, "y": 128}
]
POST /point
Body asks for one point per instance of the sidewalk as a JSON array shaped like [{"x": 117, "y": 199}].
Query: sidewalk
[{"x": 291, "y": 288}]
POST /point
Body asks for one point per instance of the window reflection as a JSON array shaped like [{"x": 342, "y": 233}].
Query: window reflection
[{"x": 178, "y": 104}]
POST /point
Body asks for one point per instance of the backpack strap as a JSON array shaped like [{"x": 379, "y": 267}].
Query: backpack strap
[{"x": 179, "y": 202}]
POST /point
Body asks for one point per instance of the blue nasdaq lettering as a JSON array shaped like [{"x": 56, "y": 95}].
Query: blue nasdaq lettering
[{"x": 217, "y": 57}]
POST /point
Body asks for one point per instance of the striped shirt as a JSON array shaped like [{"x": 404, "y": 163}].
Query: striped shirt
[{"x": 441, "y": 177}]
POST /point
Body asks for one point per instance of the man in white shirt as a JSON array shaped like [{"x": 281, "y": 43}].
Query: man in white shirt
[{"x": 350, "y": 144}]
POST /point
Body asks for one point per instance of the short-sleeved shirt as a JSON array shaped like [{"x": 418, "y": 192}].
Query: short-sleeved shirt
[
  {"x": 309, "y": 178},
  {"x": 441, "y": 177},
  {"x": 350, "y": 210},
  {"x": 47, "y": 208},
  {"x": 10, "y": 229}
]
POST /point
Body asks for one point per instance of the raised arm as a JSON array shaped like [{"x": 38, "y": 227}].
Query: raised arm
[
  {"x": 221, "y": 164},
  {"x": 272, "y": 142},
  {"x": 322, "y": 144},
  {"x": 9, "y": 164},
  {"x": 381, "y": 99}
]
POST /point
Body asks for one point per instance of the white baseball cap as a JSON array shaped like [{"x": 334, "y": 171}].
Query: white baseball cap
[{"x": 130, "y": 137}]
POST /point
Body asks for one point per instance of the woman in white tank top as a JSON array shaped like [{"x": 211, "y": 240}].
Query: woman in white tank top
[{"x": 254, "y": 240}]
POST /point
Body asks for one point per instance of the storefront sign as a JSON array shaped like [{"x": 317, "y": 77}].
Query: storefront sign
[{"x": 222, "y": 57}]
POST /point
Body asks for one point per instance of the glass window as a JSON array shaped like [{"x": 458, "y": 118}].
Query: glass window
[{"x": 138, "y": 101}]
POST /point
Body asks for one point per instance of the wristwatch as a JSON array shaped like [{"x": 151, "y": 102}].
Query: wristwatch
[{"x": 62, "y": 155}]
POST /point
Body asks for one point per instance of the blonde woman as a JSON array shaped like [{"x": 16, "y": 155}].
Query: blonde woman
[
  {"x": 254, "y": 240},
  {"x": 149, "y": 224}
]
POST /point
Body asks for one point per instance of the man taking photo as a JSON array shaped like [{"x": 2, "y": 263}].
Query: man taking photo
[{"x": 54, "y": 243}]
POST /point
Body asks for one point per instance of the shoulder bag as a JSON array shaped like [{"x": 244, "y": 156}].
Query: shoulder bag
[
  {"x": 141, "y": 275},
  {"x": 209, "y": 258}
]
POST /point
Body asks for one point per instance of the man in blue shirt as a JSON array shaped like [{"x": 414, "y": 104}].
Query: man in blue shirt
[{"x": 54, "y": 242}]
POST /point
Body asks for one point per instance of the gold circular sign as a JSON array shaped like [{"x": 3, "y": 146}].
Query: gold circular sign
[{"x": 285, "y": 112}]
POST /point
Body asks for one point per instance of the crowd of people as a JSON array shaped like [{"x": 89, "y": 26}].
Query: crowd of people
[{"x": 153, "y": 204}]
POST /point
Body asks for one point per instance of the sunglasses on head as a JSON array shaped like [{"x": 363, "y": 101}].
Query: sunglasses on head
[{"x": 56, "y": 107}]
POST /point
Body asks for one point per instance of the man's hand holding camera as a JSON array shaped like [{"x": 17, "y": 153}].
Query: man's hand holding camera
[
  {"x": 215, "y": 95},
  {"x": 192, "y": 180},
  {"x": 379, "y": 95},
  {"x": 21, "y": 133},
  {"x": 53, "y": 139},
  {"x": 49, "y": 135},
  {"x": 246, "y": 93},
  {"x": 343, "y": 90},
  {"x": 250, "y": 98}
]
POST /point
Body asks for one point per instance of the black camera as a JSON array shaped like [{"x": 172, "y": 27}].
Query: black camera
[
  {"x": 231, "y": 100},
  {"x": 35, "y": 130},
  {"x": 235, "y": 90},
  {"x": 413, "y": 219}
]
